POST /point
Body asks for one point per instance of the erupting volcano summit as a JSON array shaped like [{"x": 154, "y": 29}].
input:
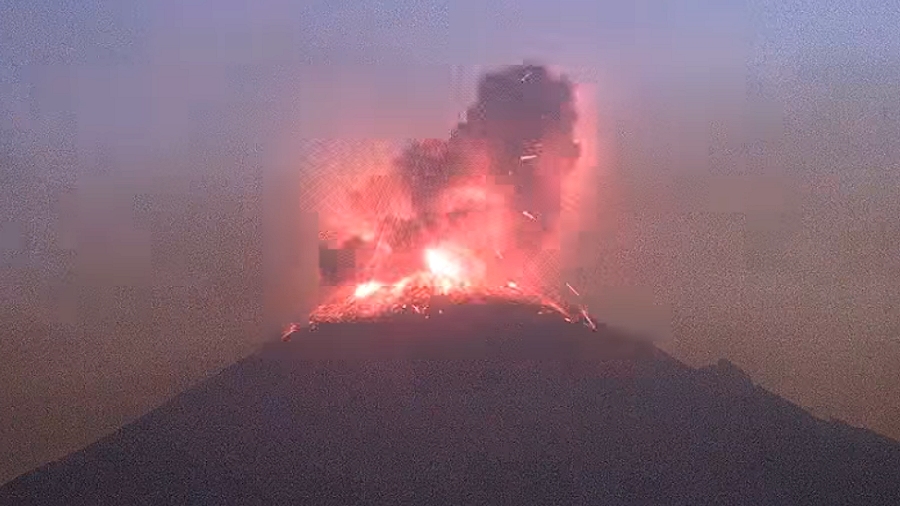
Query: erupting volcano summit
[{"x": 463, "y": 218}]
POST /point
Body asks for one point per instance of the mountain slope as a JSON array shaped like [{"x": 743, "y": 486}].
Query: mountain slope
[{"x": 485, "y": 405}]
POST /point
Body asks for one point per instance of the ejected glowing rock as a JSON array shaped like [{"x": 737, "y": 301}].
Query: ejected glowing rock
[{"x": 445, "y": 274}]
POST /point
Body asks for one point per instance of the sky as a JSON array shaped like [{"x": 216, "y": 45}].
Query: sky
[{"x": 155, "y": 225}]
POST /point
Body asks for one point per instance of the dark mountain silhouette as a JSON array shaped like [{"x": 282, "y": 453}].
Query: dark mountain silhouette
[{"x": 491, "y": 404}]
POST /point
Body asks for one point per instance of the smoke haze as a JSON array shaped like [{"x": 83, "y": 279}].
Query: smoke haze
[{"x": 156, "y": 222}]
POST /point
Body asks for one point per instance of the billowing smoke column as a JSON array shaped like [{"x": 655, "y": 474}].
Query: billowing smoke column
[{"x": 494, "y": 184}]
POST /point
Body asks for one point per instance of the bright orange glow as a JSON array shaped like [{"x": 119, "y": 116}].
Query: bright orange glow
[
  {"x": 442, "y": 264},
  {"x": 478, "y": 236},
  {"x": 451, "y": 272},
  {"x": 474, "y": 258},
  {"x": 415, "y": 293},
  {"x": 366, "y": 289}
]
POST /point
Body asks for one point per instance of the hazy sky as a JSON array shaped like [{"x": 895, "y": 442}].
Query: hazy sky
[{"x": 154, "y": 226}]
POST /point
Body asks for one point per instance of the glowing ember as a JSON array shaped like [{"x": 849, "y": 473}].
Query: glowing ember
[
  {"x": 289, "y": 331},
  {"x": 587, "y": 318}
]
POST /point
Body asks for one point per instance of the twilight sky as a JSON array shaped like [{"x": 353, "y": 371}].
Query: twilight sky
[{"x": 153, "y": 224}]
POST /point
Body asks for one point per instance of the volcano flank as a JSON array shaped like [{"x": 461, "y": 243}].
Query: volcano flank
[{"x": 492, "y": 403}]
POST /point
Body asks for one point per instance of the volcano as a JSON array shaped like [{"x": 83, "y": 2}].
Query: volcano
[{"x": 493, "y": 403}]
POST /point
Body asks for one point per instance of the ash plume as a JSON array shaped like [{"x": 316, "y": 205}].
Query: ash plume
[
  {"x": 524, "y": 119},
  {"x": 519, "y": 134}
]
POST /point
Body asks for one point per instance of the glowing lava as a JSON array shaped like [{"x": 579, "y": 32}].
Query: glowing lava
[
  {"x": 442, "y": 265},
  {"x": 445, "y": 274},
  {"x": 366, "y": 289}
]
